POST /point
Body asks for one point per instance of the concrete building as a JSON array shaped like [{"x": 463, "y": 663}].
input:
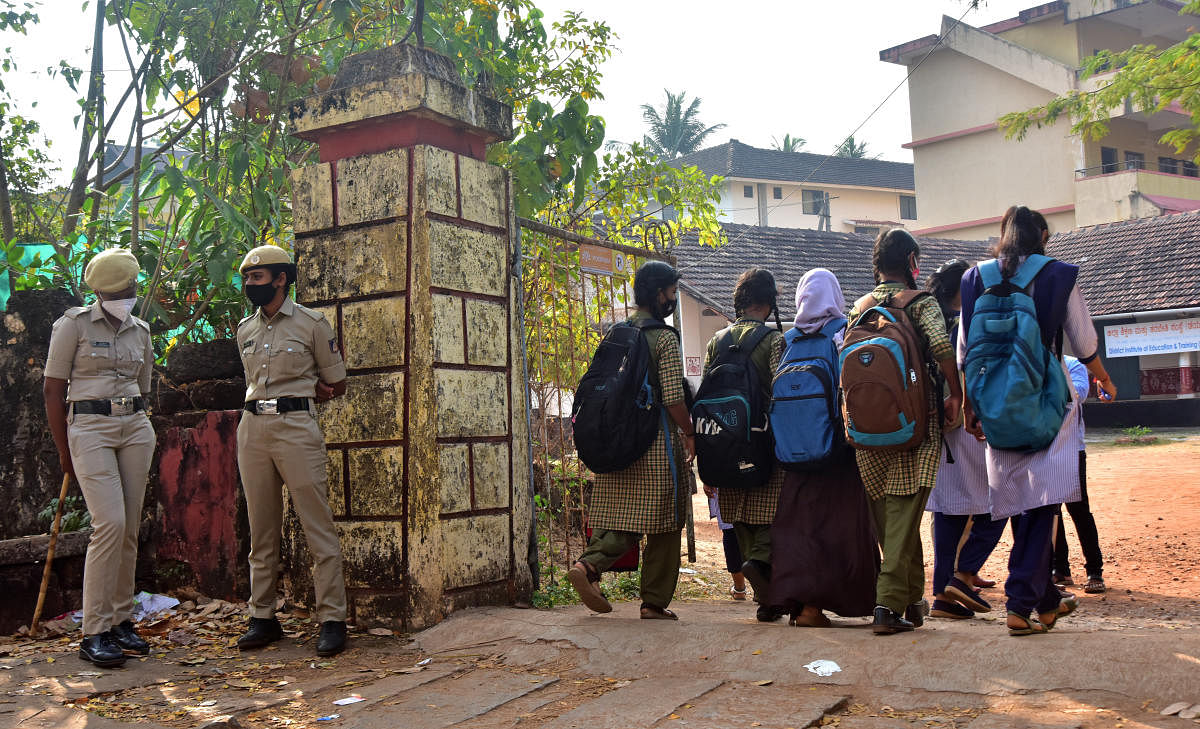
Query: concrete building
[
  {"x": 767, "y": 187},
  {"x": 965, "y": 78}
]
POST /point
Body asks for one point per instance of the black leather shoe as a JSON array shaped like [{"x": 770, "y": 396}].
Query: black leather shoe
[
  {"x": 262, "y": 632},
  {"x": 768, "y": 614},
  {"x": 887, "y": 622},
  {"x": 128, "y": 639},
  {"x": 333, "y": 638},
  {"x": 916, "y": 612},
  {"x": 102, "y": 650},
  {"x": 758, "y": 574}
]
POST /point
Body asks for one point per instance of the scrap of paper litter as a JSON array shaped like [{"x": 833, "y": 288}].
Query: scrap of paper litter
[{"x": 823, "y": 668}]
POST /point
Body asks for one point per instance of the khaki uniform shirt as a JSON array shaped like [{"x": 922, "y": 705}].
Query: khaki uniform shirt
[
  {"x": 98, "y": 361},
  {"x": 285, "y": 355}
]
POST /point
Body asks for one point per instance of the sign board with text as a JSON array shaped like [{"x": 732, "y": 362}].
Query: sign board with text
[
  {"x": 602, "y": 261},
  {"x": 1152, "y": 337}
]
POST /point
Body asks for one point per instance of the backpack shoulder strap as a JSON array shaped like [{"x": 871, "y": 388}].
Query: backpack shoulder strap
[
  {"x": 862, "y": 306},
  {"x": 904, "y": 299},
  {"x": 833, "y": 327},
  {"x": 1029, "y": 270},
  {"x": 989, "y": 271},
  {"x": 754, "y": 338}
]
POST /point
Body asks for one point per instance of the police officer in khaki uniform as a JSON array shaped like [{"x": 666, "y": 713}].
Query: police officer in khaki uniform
[
  {"x": 97, "y": 377},
  {"x": 291, "y": 358}
]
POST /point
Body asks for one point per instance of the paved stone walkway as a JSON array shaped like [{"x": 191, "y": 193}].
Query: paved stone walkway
[{"x": 566, "y": 668}]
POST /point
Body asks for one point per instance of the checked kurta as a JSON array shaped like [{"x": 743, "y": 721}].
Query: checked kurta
[{"x": 644, "y": 498}]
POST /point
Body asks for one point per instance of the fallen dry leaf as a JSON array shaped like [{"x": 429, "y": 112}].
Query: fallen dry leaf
[
  {"x": 756, "y": 653},
  {"x": 241, "y": 683},
  {"x": 381, "y": 632},
  {"x": 765, "y": 682}
]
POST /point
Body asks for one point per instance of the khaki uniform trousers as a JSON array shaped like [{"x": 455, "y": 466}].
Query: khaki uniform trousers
[
  {"x": 898, "y": 526},
  {"x": 111, "y": 455},
  {"x": 660, "y": 560},
  {"x": 288, "y": 448}
]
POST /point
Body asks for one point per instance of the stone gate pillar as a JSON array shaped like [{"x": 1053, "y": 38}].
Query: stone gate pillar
[{"x": 405, "y": 238}]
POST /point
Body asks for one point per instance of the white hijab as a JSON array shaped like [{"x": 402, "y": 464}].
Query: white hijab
[{"x": 819, "y": 300}]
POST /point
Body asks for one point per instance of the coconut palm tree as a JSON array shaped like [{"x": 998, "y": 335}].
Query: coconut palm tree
[
  {"x": 850, "y": 148},
  {"x": 676, "y": 129},
  {"x": 789, "y": 143}
]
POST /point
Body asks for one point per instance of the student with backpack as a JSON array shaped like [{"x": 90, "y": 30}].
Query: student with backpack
[
  {"x": 734, "y": 450},
  {"x": 823, "y": 542},
  {"x": 894, "y": 415},
  {"x": 1016, "y": 309},
  {"x": 964, "y": 533},
  {"x": 643, "y": 492}
]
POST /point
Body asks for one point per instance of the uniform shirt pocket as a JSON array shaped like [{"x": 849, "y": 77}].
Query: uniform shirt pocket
[
  {"x": 294, "y": 357},
  {"x": 131, "y": 358},
  {"x": 93, "y": 357}
]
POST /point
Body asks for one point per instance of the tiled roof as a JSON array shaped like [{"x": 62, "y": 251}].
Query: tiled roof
[
  {"x": 734, "y": 159},
  {"x": 1135, "y": 265},
  {"x": 710, "y": 273}
]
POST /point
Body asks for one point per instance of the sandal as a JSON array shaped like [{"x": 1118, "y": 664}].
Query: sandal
[
  {"x": 1032, "y": 627},
  {"x": 802, "y": 621},
  {"x": 585, "y": 579},
  {"x": 737, "y": 594},
  {"x": 1095, "y": 585},
  {"x": 650, "y": 612},
  {"x": 1065, "y": 608}
]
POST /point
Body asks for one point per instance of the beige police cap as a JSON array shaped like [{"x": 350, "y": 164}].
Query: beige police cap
[
  {"x": 264, "y": 256},
  {"x": 111, "y": 271}
]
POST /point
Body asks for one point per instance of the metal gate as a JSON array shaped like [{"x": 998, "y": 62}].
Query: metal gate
[{"x": 574, "y": 289}]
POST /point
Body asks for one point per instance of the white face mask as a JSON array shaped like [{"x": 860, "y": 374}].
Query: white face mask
[{"x": 119, "y": 308}]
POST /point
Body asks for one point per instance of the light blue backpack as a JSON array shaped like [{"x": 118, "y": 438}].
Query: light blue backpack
[{"x": 1014, "y": 381}]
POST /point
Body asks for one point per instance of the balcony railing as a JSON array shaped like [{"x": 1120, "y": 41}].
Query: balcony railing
[
  {"x": 1185, "y": 169},
  {"x": 1104, "y": 196}
]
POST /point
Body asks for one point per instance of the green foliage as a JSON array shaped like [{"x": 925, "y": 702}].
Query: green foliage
[
  {"x": 565, "y": 308},
  {"x": 1148, "y": 79},
  {"x": 212, "y": 83},
  {"x": 789, "y": 143},
  {"x": 852, "y": 149},
  {"x": 1137, "y": 435},
  {"x": 75, "y": 515},
  {"x": 555, "y": 590},
  {"x": 676, "y": 129}
]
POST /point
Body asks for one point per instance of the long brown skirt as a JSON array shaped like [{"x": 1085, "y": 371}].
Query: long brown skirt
[{"x": 823, "y": 546}]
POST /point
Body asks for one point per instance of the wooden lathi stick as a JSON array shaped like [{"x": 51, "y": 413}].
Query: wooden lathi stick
[{"x": 41, "y": 601}]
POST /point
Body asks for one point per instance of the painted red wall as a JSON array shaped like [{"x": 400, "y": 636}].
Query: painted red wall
[{"x": 202, "y": 513}]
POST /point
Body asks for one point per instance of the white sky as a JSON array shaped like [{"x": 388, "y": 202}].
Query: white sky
[{"x": 762, "y": 67}]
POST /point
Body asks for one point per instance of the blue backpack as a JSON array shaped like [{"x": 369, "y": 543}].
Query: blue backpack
[
  {"x": 805, "y": 413},
  {"x": 1015, "y": 383}
]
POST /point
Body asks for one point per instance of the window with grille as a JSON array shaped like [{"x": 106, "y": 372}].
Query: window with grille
[{"x": 814, "y": 202}]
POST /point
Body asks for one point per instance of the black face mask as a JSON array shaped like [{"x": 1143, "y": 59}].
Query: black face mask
[
  {"x": 662, "y": 311},
  {"x": 259, "y": 294}
]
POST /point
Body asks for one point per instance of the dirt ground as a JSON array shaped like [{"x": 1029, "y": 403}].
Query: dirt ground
[{"x": 1146, "y": 500}]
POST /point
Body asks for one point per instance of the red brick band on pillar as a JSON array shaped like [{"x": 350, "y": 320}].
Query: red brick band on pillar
[{"x": 399, "y": 131}]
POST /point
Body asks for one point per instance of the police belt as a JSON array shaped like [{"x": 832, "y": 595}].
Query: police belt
[
  {"x": 111, "y": 406},
  {"x": 276, "y": 405}
]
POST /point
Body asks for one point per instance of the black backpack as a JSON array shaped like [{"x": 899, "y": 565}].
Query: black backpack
[
  {"x": 615, "y": 418},
  {"x": 734, "y": 449}
]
